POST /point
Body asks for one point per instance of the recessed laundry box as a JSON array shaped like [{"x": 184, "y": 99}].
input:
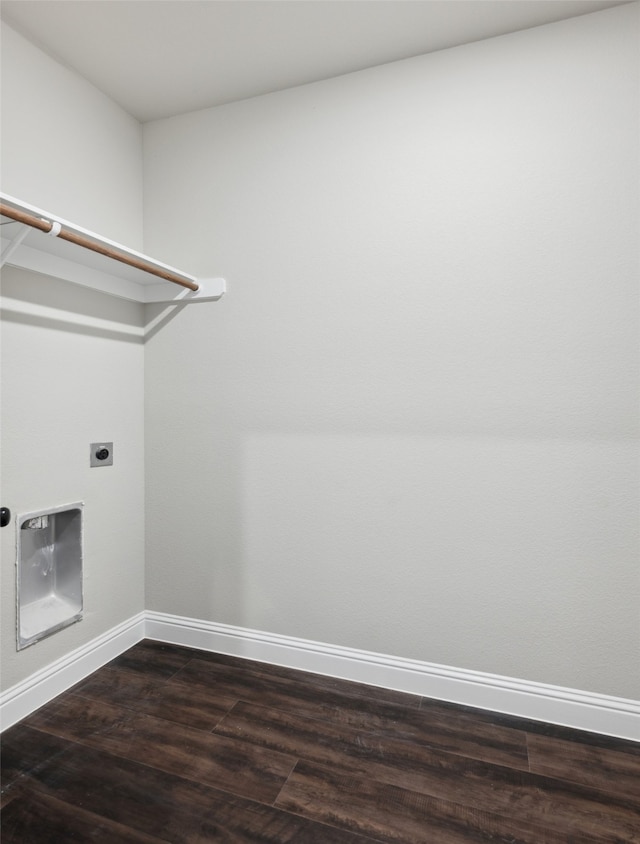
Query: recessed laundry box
[{"x": 49, "y": 571}]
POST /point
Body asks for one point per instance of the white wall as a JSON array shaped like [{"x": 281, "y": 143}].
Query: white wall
[
  {"x": 410, "y": 426},
  {"x": 66, "y": 147},
  {"x": 72, "y": 359}
]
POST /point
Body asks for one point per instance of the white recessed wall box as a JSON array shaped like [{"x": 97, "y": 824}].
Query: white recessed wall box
[{"x": 49, "y": 571}]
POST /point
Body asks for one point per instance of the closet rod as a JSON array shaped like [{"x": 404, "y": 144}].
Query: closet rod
[{"x": 47, "y": 226}]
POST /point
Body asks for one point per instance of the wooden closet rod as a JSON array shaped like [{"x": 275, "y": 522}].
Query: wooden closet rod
[{"x": 46, "y": 226}]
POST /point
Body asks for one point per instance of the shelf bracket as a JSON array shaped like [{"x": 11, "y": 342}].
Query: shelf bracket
[{"x": 11, "y": 247}]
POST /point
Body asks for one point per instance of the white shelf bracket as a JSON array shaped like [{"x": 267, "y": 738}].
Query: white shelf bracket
[
  {"x": 8, "y": 251},
  {"x": 55, "y": 229}
]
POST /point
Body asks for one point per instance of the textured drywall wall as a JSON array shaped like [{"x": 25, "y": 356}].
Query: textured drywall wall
[
  {"x": 66, "y": 147},
  {"x": 72, "y": 374},
  {"x": 411, "y": 424},
  {"x": 72, "y": 359}
]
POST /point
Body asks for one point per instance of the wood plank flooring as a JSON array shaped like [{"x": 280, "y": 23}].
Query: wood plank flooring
[{"x": 168, "y": 744}]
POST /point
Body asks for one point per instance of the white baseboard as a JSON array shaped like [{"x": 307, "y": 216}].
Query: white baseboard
[
  {"x": 24, "y": 698},
  {"x": 537, "y": 701}
]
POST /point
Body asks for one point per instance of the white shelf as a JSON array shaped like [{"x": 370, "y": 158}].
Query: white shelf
[{"x": 31, "y": 249}]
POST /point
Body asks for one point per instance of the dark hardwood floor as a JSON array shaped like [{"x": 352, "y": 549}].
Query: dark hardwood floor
[{"x": 170, "y": 744}]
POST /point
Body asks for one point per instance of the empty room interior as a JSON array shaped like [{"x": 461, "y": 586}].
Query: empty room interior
[{"x": 319, "y": 421}]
